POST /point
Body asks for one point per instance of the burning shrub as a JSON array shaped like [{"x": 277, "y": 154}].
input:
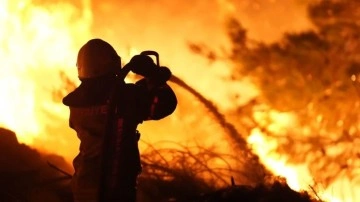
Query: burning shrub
[{"x": 188, "y": 175}]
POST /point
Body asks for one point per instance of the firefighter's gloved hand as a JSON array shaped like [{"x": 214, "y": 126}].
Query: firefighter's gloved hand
[
  {"x": 161, "y": 75},
  {"x": 142, "y": 65}
]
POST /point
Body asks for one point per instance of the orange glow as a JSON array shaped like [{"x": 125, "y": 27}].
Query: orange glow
[{"x": 38, "y": 41}]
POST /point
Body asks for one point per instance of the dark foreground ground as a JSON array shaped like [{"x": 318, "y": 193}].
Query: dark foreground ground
[{"x": 29, "y": 176}]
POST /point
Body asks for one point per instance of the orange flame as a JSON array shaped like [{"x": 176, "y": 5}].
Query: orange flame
[
  {"x": 36, "y": 43},
  {"x": 298, "y": 176}
]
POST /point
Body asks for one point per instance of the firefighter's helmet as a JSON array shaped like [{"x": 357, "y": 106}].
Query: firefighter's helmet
[{"x": 97, "y": 58}]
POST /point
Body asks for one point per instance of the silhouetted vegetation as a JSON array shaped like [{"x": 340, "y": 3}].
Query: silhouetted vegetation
[
  {"x": 182, "y": 175},
  {"x": 25, "y": 175},
  {"x": 186, "y": 175}
]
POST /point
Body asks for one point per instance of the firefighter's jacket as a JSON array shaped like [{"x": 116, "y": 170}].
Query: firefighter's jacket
[{"x": 105, "y": 113}]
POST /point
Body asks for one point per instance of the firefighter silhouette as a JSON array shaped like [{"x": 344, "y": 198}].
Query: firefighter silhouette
[{"x": 105, "y": 112}]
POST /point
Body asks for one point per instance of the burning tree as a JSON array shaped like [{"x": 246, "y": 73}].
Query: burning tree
[{"x": 315, "y": 77}]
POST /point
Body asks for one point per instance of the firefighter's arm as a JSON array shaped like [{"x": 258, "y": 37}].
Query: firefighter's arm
[
  {"x": 161, "y": 97},
  {"x": 163, "y": 102}
]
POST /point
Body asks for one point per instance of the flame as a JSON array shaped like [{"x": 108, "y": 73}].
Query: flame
[
  {"x": 298, "y": 176},
  {"x": 37, "y": 41}
]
